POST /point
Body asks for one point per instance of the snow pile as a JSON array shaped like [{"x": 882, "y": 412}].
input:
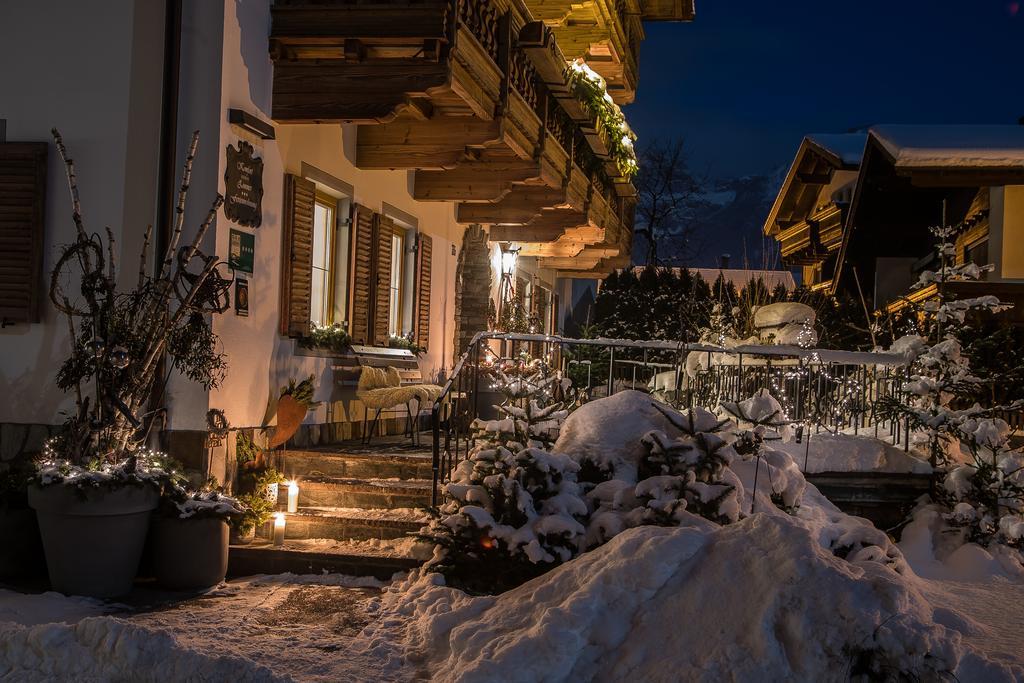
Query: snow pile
[
  {"x": 699, "y": 464},
  {"x": 759, "y": 598},
  {"x": 937, "y": 549},
  {"x": 606, "y": 433},
  {"x": 841, "y": 452},
  {"x": 44, "y": 608},
  {"x": 108, "y": 649},
  {"x": 786, "y": 322}
]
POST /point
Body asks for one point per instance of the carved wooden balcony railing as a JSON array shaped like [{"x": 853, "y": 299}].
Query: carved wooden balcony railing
[
  {"x": 451, "y": 89},
  {"x": 370, "y": 60}
]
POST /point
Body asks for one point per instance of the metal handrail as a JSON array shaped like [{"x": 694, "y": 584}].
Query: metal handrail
[{"x": 458, "y": 403}]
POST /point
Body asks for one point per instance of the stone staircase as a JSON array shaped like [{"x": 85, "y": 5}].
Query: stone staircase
[{"x": 358, "y": 507}]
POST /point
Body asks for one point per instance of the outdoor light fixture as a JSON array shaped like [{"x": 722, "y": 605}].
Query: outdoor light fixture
[
  {"x": 508, "y": 259},
  {"x": 293, "y": 496},
  {"x": 279, "y": 522},
  {"x": 247, "y": 121}
]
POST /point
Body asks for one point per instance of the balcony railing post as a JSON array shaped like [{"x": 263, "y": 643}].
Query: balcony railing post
[{"x": 611, "y": 371}]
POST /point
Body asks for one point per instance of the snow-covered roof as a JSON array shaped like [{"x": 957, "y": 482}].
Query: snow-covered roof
[
  {"x": 956, "y": 146},
  {"x": 847, "y": 147}
]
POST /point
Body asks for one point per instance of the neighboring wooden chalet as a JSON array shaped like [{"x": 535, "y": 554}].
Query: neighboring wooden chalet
[
  {"x": 810, "y": 210},
  {"x": 865, "y": 227}
]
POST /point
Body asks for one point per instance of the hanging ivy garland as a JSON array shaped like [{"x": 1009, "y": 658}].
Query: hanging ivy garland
[{"x": 590, "y": 88}]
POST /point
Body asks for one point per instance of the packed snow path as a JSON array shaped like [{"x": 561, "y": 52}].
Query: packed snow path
[{"x": 273, "y": 628}]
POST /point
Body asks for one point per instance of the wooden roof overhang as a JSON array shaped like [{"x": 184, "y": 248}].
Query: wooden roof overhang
[
  {"x": 905, "y": 193},
  {"x": 807, "y": 231}
]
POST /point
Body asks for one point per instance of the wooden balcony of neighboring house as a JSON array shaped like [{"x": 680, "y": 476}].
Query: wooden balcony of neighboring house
[
  {"x": 1008, "y": 292},
  {"x": 810, "y": 241}
]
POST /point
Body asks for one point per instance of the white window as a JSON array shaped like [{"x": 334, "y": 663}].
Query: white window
[
  {"x": 396, "y": 321},
  {"x": 324, "y": 277}
]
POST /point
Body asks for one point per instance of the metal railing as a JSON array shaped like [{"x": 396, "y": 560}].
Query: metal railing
[{"x": 817, "y": 389}]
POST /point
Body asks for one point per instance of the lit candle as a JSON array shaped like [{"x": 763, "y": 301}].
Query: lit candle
[
  {"x": 279, "y": 528},
  {"x": 293, "y": 496}
]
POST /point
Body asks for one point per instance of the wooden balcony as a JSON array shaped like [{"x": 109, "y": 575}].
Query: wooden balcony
[
  {"x": 606, "y": 33},
  {"x": 372, "y": 60},
  {"x": 453, "y": 89}
]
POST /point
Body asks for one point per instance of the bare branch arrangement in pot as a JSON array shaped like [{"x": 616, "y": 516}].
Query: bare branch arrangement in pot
[{"x": 97, "y": 483}]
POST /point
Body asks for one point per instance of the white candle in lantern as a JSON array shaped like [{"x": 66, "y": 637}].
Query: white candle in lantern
[
  {"x": 293, "y": 496},
  {"x": 279, "y": 528}
]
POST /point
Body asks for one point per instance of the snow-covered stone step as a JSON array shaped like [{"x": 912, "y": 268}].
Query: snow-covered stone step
[
  {"x": 342, "y": 463},
  {"x": 345, "y": 524},
  {"x": 336, "y": 492},
  {"x": 264, "y": 558}
]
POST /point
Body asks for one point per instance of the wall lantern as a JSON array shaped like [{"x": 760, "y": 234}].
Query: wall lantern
[
  {"x": 250, "y": 123},
  {"x": 509, "y": 257}
]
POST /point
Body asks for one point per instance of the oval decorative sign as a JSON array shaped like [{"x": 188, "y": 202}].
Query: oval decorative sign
[{"x": 243, "y": 186}]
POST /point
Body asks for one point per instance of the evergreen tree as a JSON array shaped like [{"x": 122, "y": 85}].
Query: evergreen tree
[
  {"x": 514, "y": 508},
  {"x": 985, "y": 495}
]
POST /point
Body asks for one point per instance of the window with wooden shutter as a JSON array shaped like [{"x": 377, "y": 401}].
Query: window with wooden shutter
[
  {"x": 22, "y": 199},
  {"x": 423, "y": 267},
  {"x": 363, "y": 221},
  {"x": 383, "y": 235},
  {"x": 297, "y": 255}
]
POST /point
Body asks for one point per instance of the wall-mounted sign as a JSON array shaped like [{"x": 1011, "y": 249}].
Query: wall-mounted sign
[
  {"x": 243, "y": 186},
  {"x": 241, "y": 250},
  {"x": 242, "y": 297}
]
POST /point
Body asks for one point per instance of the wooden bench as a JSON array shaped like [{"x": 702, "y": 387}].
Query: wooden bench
[{"x": 349, "y": 369}]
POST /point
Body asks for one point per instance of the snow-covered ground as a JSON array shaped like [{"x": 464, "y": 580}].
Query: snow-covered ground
[
  {"x": 844, "y": 452},
  {"x": 286, "y": 627},
  {"x": 801, "y": 593}
]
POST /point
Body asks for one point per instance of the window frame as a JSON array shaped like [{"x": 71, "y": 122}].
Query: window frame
[
  {"x": 330, "y": 204},
  {"x": 396, "y": 299}
]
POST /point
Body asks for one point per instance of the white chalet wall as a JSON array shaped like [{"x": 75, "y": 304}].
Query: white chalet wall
[{"x": 93, "y": 70}]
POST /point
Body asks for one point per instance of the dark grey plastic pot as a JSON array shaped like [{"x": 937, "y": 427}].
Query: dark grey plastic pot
[
  {"x": 93, "y": 538},
  {"x": 190, "y": 553},
  {"x": 22, "y": 556}
]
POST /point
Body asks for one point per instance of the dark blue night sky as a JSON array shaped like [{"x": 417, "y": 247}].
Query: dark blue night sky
[{"x": 748, "y": 78}]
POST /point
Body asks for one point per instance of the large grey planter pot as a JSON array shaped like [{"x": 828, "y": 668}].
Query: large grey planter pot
[
  {"x": 93, "y": 538},
  {"x": 22, "y": 556},
  {"x": 190, "y": 553}
]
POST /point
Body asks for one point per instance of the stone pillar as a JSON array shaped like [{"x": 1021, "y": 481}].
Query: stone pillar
[{"x": 472, "y": 288}]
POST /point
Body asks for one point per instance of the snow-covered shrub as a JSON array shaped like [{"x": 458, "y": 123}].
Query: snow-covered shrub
[
  {"x": 982, "y": 487},
  {"x": 986, "y": 496},
  {"x": 514, "y": 509}
]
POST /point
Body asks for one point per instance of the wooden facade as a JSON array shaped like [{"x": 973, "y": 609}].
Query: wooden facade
[
  {"x": 858, "y": 221},
  {"x": 809, "y": 213},
  {"x": 473, "y": 96}
]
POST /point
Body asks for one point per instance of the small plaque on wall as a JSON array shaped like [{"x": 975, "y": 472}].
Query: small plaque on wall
[
  {"x": 241, "y": 251},
  {"x": 243, "y": 186},
  {"x": 242, "y": 298}
]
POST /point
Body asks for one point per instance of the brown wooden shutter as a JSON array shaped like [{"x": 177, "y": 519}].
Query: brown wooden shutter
[
  {"x": 385, "y": 229},
  {"x": 423, "y": 268},
  {"x": 362, "y": 273},
  {"x": 22, "y": 199},
  {"x": 297, "y": 255}
]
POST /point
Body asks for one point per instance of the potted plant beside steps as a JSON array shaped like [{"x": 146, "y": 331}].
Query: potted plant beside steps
[
  {"x": 189, "y": 541},
  {"x": 94, "y": 520},
  {"x": 97, "y": 484}
]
